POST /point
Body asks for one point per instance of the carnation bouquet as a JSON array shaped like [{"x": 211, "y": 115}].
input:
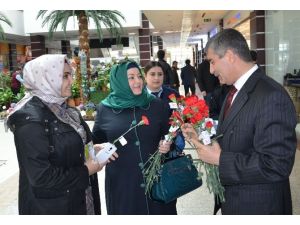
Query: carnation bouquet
[{"x": 195, "y": 111}]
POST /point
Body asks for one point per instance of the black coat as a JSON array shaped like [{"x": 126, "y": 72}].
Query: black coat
[
  {"x": 174, "y": 83},
  {"x": 206, "y": 81},
  {"x": 124, "y": 183},
  {"x": 168, "y": 74},
  {"x": 188, "y": 75},
  {"x": 52, "y": 180},
  {"x": 258, "y": 148}
]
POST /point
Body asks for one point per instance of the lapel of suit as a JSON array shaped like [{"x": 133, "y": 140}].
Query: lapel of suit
[{"x": 239, "y": 101}]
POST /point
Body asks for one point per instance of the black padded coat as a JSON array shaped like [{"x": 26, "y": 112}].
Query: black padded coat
[{"x": 53, "y": 177}]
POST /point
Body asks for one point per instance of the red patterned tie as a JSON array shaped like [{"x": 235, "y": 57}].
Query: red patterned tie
[{"x": 231, "y": 93}]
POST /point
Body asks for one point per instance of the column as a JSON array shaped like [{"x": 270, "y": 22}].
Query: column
[
  {"x": 221, "y": 24},
  {"x": 257, "y": 35},
  {"x": 12, "y": 57},
  {"x": 160, "y": 43},
  {"x": 144, "y": 41},
  {"x": 66, "y": 48},
  {"x": 38, "y": 46}
]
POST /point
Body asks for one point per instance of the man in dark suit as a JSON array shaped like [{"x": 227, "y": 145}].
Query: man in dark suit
[
  {"x": 175, "y": 83},
  {"x": 188, "y": 75},
  {"x": 256, "y": 154},
  {"x": 168, "y": 74},
  {"x": 207, "y": 82}
]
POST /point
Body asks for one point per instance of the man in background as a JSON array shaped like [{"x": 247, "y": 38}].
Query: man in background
[
  {"x": 166, "y": 67},
  {"x": 207, "y": 82},
  {"x": 175, "y": 84},
  {"x": 188, "y": 76}
]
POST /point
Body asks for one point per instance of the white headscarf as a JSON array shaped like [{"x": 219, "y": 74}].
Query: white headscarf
[{"x": 43, "y": 77}]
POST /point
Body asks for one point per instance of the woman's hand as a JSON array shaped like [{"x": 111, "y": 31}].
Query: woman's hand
[
  {"x": 98, "y": 147},
  {"x": 93, "y": 166},
  {"x": 164, "y": 146}
]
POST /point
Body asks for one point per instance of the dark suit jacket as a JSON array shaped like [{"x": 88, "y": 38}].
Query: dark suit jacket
[
  {"x": 188, "y": 75},
  {"x": 258, "y": 149},
  {"x": 206, "y": 81}
]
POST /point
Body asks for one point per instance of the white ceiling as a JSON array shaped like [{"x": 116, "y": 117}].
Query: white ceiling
[{"x": 179, "y": 27}]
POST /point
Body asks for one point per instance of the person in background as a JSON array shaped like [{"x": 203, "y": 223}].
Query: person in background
[
  {"x": 127, "y": 102},
  {"x": 216, "y": 100},
  {"x": 188, "y": 75},
  {"x": 257, "y": 151},
  {"x": 55, "y": 177},
  {"x": 154, "y": 77},
  {"x": 207, "y": 82},
  {"x": 175, "y": 84},
  {"x": 16, "y": 81},
  {"x": 166, "y": 68}
]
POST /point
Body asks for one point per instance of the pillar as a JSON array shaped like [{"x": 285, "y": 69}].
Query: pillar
[
  {"x": 38, "y": 46},
  {"x": 144, "y": 41},
  {"x": 257, "y": 36}
]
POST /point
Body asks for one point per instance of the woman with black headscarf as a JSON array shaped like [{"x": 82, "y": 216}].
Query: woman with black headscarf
[{"x": 124, "y": 107}]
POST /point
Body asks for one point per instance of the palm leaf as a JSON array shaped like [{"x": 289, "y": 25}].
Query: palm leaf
[{"x": 4, "y": 19}]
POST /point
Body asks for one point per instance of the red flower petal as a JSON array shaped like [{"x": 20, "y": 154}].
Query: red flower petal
[{"x": 145, "y": 120}]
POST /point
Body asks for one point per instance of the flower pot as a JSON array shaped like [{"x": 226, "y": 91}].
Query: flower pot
[
  {"x": 104, "y": 89},
  {"x": 77, "y": 101},
  {"x": 71, "y": 102}
]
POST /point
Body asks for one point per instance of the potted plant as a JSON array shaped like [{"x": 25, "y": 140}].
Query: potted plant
[
  {"x": 6, "y": 97},
  {"x": 104, "y": 80},
  {"x": 76, "y": 93},
  {"x": 89, "y": 108}
]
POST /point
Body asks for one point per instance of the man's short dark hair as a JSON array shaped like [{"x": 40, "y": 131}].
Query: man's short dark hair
[
  {"x": 229, "y": 39},
  {"x": 188, "y": 62},
  {"x": 161, "y": 54}
]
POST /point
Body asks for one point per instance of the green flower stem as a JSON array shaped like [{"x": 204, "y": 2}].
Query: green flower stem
[
  {"x": 151, "y": 170},
  {"x": 140, "y": 123},
  {"x": 213, "y": 182}
]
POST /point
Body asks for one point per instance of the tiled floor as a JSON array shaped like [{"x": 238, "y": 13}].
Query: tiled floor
[{"x": 198, "y": 202}]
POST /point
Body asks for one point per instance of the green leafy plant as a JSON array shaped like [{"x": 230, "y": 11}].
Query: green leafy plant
[
  {"x": 5, "y": 80},
  {"x": 20, "y": 95},
  {"x": 6, "y": 97},
  {"x": 75, "y": 90}
]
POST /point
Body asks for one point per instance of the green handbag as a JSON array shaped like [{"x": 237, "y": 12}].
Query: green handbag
[{"x": 177, "y": 177}]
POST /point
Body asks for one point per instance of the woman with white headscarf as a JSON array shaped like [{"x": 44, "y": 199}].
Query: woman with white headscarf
[{"x": 55, "y": 177}]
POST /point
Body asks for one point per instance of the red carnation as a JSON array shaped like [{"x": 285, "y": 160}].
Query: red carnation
[{"x": 145, "y": 120}]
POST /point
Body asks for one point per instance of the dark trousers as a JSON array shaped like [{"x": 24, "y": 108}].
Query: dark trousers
[{"x": 187, "y": 87}]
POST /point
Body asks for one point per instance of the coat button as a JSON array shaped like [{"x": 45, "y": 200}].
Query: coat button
[
  {"x": 55, "y": 128},
  {"x": 47, "y": 130},
  {"x": 137, "y": 143},
  {"x": 27, "y": 117},
  {"x": 55, "y": 121},
  {"x": 46, "y": 121},
  {"x": 68, "y": 191}
]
